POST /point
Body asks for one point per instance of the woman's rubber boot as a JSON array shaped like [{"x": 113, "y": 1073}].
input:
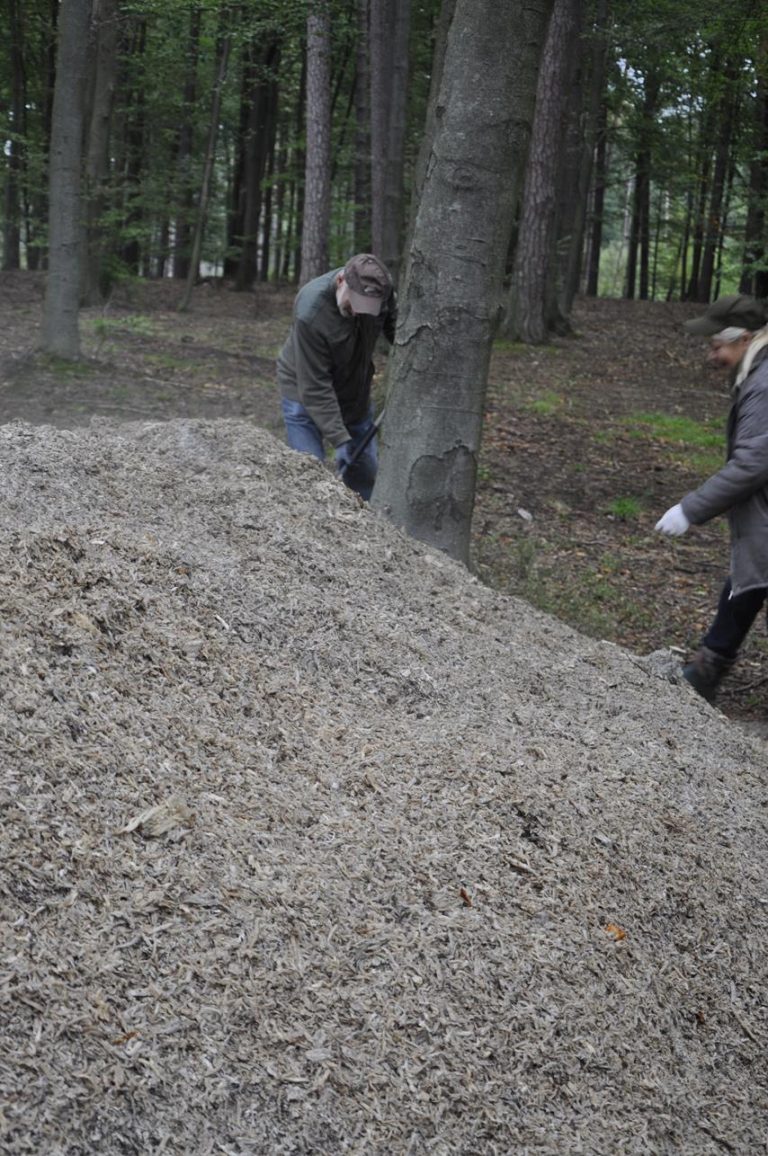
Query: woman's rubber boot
[{"x": 706, "y": 670}]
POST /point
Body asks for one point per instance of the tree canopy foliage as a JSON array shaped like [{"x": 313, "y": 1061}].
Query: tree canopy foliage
[{"x": 680, "y": 112}]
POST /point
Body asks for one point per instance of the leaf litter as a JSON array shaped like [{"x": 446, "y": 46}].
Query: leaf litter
[{"x": 312, "y": 843}]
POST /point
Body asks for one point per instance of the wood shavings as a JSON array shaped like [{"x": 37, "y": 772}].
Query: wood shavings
[
  {"x": 424, "y": 815},
  {"x": 616, "y": 933},
  {"x": 160, "y": 819}
]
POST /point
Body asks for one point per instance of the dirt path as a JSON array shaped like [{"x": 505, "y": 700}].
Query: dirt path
[{"x": 573, "y": 476}]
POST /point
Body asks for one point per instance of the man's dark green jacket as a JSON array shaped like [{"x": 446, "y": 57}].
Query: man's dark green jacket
[{"x": 327, "y": 360}]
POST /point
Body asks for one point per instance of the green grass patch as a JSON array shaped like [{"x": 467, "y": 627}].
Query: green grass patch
[
  {"x": 167, "y": 361},
  {"x": 707, "y": 463},
  {"x": 677, "y": 429},
  {"x": 546, "y": 405},
  {"x": 136, "y": 323},
  {"x": 625, "y": 508},
  {"x": 69, "y": 370}
]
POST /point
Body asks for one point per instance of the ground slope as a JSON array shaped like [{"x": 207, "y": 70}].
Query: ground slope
[{"x": 314, "y": 844}]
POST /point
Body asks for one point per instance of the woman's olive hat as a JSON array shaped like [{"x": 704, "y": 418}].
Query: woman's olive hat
[{"x": 737, "y": 311}]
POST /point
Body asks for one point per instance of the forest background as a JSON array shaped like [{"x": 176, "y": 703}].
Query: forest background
[
  {"x": 254, "y": 145},
  {"x": 665, "y": 108}
]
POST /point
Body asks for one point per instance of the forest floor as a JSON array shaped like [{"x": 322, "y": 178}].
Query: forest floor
[{"x": 587, "y": 441}]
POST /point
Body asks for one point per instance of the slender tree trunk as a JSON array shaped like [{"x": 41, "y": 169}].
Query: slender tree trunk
[
  {"x": 37, "y": 210},
  {"x": 390, "y": 25},
  {"x": 585, "y": 129},
  {"x": 266, "y": 243},
  {"x": 700, "y": 195},
  {"x": 754, "y": 278},
  {"x": 281, "y": 202},
  {"x": 300, "y": 162},
  {"x": 718, "y": 272},
  {"x": 16, "y": 144},
  {"x": 451, "y": 296},
  {"x": 210, "y": 156},
  {"x": 104, "y": 74},
  {"x": 598, "y": 203},
  {"x": 185, "y": 151},
  {"x": 688, "y": 219},
  {"x": 645, "y": 168},
  {"x": 317, "y": 197},
  {"x": 261, "y": 97},
  {"x": 656, "y": 243},
  {"x": 60, "y": 330},
  {"x": 363, "y": 241},
  {"x": 134, "y": 160},
  {"x": 527, "y": 317},
  {"x": 712, "y": 233},
  {"x": 639, "y": 237}
]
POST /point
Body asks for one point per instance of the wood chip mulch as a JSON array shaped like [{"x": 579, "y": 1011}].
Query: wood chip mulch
[{"x": 311, "y": 843}]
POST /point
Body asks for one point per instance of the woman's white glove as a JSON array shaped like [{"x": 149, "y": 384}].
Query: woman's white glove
[{"x": 674, "y": 522}]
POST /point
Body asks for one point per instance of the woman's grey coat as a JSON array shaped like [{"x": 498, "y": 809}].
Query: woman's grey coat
[{"x": 740, "y": 488}]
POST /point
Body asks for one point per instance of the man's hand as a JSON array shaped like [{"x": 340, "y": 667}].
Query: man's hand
[
  {"x": 344, "y": 454},
  {"x": 674, "y": 522}
]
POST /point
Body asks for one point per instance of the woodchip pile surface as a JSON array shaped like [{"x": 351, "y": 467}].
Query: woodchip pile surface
[{"x": 313, "y": 844}]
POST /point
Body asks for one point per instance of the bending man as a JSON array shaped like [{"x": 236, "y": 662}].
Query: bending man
[{"x": 325, "y": 367}]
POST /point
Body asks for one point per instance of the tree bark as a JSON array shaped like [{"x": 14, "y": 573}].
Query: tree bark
[
  {"x": 363, "y": 240},
  {"x": 390, "y": 25},
  {"x": 16, "y": 144},
  {"x": 723, "y": 145},
  {"x": 527, "y": 315},
  {"x": 724, "y": 142},
  {"x": 639, "y": 237},
  {"x": 317, "y": 196},
  {"x": 598, "y": 203},
  {"x": 36, "y": 206},
  {"x": 261, "y": 100},
  {"x": 134, "y": 159},
  {"x": 583, "y": 132},
  {"x": 223, "y": 49},
  {"x": 185, "y": 145},
  {"x": 701, "y": 191},
  {"x": 754, "y": 278},
  {"x": 451, "y": 295},
  {"x": 60, "y": 329},
  {"x": 103, "y": 76}
]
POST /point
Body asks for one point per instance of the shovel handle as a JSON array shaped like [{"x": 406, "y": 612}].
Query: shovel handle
[{"x": 370, "y": 435}]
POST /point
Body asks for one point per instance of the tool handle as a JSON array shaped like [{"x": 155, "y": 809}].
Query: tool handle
[{"x": 370, "y": 435}]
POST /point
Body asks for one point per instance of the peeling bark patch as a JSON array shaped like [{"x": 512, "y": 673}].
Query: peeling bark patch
[{"x": 442, "y": 488}]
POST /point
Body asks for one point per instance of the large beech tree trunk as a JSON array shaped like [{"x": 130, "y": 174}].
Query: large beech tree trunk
[{"x": 452, "y": 288}]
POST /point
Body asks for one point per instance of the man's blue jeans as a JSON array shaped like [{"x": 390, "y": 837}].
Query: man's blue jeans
[{"x": 303, "y": 435}]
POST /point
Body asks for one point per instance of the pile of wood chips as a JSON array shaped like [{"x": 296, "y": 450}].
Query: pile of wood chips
[{"x": 313, "y": 844}]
